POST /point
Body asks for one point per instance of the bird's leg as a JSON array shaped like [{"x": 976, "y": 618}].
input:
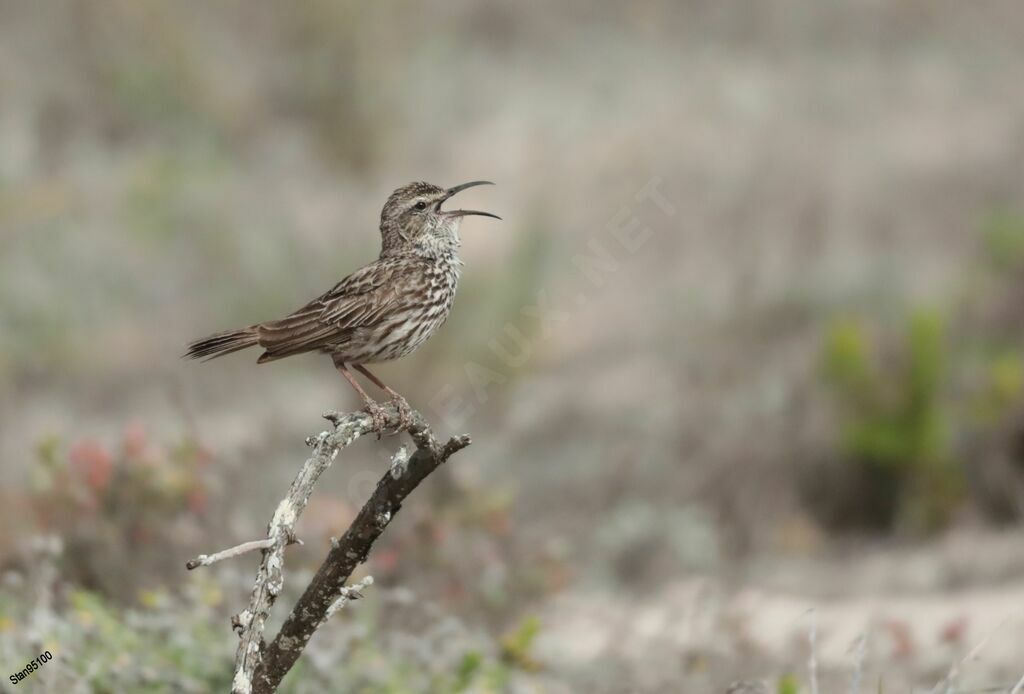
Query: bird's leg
[
  {"x": 404, "y": 411},
  {"x": 372, "y": 408}
]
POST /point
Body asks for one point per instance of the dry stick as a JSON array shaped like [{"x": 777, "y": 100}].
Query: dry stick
[
  {"x": 954, "y": 671},
  {"x": 348, "y": 594},
  {"x": 858, "y": 666},
  {"x": 812, "y": 660},
  {"x": 230, "y": 553},
  {"x": 260, "y": 668}
]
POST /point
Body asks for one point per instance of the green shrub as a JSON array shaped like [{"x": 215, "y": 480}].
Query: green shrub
[
  {"x": 1000, "y": 389},
  {"x": 788, "y": 684},
  {"x": 893, "y": 422}
]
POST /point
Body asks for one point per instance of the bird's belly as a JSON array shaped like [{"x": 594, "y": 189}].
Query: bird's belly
[
  {"x": 395, "y": 339},
  {"x": 420, "y": 309}
]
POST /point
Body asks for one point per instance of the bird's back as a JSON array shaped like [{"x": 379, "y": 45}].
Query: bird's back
[{"x": 380, "y": 312}]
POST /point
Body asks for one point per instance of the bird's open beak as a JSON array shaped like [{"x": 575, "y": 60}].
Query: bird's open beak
[{"x": 464, "y": 213}]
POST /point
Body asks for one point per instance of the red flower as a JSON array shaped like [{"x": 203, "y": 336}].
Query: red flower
[{"x": 92, "y": 461}]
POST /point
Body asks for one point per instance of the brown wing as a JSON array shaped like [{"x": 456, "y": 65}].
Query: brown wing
[{"x": 356, "y": 301}]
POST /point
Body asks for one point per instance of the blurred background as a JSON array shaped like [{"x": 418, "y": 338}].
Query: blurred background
[{"x": 743, "y": 365}]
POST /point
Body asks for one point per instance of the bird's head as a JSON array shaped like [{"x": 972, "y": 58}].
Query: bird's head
[{"x": 412, "y": 218}]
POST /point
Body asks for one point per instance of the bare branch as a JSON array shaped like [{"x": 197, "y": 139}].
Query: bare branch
[
  {"x": 348, "y": 593},
  {"x": 260, "y": 667},
  {"x": 230, "y": 553}
]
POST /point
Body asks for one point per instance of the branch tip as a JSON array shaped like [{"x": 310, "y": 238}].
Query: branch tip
[{"x": 229, "y": 553}]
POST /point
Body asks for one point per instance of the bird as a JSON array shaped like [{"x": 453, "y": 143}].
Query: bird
[{"x": 382, "y": 311}]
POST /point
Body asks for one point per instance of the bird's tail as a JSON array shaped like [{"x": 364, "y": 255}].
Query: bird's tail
[{"x": 219, "y": 344}]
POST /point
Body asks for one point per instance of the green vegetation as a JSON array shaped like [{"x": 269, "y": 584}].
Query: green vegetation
[
  {"x": 916, "y": 410},
  {"x": 516, "y": 646},
  {"x": 183, "y": 644},
  {"x": 1003, "y": 232},
  {"x": 788, "y": 684},
  {"x": 893, "y": 418},
  {"x": 1001, "y": 387}
]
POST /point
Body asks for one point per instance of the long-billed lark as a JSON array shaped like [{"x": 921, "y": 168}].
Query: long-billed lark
[{"x": 380, "y": 312}]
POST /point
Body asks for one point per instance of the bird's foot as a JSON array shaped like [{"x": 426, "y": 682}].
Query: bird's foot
[
  {"x": 404, "y": 411},
  {"x": 376, "y": 413}
]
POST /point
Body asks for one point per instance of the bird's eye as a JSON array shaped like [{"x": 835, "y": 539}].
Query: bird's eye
[{"x": 421, "y": 205}]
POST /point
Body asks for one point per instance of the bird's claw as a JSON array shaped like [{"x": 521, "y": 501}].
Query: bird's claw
[
  {"x": 404, "y": 412},
  {"x": 376, "y": 413}
]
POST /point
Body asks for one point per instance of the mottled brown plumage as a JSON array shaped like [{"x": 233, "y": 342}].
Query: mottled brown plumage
[{"x": 380, "y": 312}]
